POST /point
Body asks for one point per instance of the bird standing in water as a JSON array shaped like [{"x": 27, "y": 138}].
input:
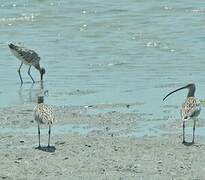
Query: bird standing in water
[
  {"x": 190, "y": 108},
  {"x": 43, "y": 114},
  {"x": 28, "y": 57}
]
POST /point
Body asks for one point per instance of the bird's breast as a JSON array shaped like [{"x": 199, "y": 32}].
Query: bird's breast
[{"x": 191, "y": 108}]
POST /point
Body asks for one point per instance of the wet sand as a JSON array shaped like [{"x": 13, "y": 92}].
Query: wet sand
[{"x": 98, "y": 146}]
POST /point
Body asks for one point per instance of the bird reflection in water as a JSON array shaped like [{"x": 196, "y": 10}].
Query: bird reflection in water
[{"x": 29, "y": 94}]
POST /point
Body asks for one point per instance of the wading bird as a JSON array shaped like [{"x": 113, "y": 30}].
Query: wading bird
[
  {"x": 43, "y": 114},
  {"x": 28, "y": 57},
  {"x": 190, "y": 108}
]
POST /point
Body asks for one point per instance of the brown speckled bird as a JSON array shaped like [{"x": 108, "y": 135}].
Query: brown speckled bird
[
  {"x": 190, "y": 108},
  {"x": 28, "y": 57},
  {"x": 43, "y": 114}
]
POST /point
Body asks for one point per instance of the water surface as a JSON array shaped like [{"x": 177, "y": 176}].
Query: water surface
[{"x": 107, "y": 52}]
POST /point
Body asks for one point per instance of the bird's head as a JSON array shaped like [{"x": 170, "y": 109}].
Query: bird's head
[
  {"x": 191, "y": 87},
  {"x": 40, "y": 99},
  {"x": 42, "y": 72}
]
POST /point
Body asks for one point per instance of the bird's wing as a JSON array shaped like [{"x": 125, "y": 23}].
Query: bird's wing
[
  {"x": 190, "y": 108},
  {"x": 25, "y": 54},
  {"x": 29, "y": 55}
]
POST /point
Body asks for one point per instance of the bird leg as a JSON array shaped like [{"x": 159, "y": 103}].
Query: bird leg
[
  {"x": 183, "y": 132},
  {"x": 49, "y": 135},
  {"x": 19, "y": 71},
  {"x": 194, "y": 130},
  {"x": 39, "y": 145},
  {"x": 30, "y": 74}
]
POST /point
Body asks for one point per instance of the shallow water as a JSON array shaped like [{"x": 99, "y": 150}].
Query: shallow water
[
  {"x": 105, "y": 52},
  {"x": 142, "y": 130}
]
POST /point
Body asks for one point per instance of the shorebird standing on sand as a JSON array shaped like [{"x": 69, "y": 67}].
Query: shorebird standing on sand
[
  {"x": 43, "y": 114},
  {"x": 28, "y": 57},
  {"x": 190, "y": 108}
]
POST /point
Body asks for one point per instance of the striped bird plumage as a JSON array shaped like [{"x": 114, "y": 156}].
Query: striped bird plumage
[
  {"x": 190, "y": 108},
  {"x": 44, "y": 114},
  {"x": 28, "y": 56}
]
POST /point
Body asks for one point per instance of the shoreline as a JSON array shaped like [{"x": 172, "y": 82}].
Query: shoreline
[{"x": 107, "y": 152}]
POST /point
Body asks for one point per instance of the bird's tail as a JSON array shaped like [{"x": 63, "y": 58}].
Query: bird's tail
[{"x": 12, "y": 46}]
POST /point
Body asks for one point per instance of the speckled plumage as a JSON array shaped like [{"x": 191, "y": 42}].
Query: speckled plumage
[
  {"x": 44, "y": 114},
  {"x": 190, "y": 108},
  {"x": 28, "y": 56}
]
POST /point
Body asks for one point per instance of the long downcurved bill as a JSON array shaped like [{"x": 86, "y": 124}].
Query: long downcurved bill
[{"x": 174, "y": 92}]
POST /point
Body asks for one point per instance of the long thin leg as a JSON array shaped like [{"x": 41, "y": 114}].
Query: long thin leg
[
  {"x": 49, "y": 135},
  {"x": 30, "y": 74},
  {"x": 19, "y": 71},
  {"x": 194, "y": 130},
  {"x": 183, "y": 132},
  {"x": 39, "y": 143}
]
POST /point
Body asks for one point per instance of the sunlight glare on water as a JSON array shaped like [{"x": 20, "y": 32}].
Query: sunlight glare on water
[{"x": 104, "y": 52}]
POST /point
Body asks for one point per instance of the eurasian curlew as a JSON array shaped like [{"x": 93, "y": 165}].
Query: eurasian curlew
[{"x": 190, "y": 108}]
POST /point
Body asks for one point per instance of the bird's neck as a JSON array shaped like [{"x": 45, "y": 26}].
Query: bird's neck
[
  {"x": 191, "y": 92},
  {"x": 40, "y": 100},
  {"x": 38, "y": 67}
]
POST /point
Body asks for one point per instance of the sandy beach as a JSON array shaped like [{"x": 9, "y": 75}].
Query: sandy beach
[
  {"x": 94, "y": 146},
  {"x": 105, "y": 66}
]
